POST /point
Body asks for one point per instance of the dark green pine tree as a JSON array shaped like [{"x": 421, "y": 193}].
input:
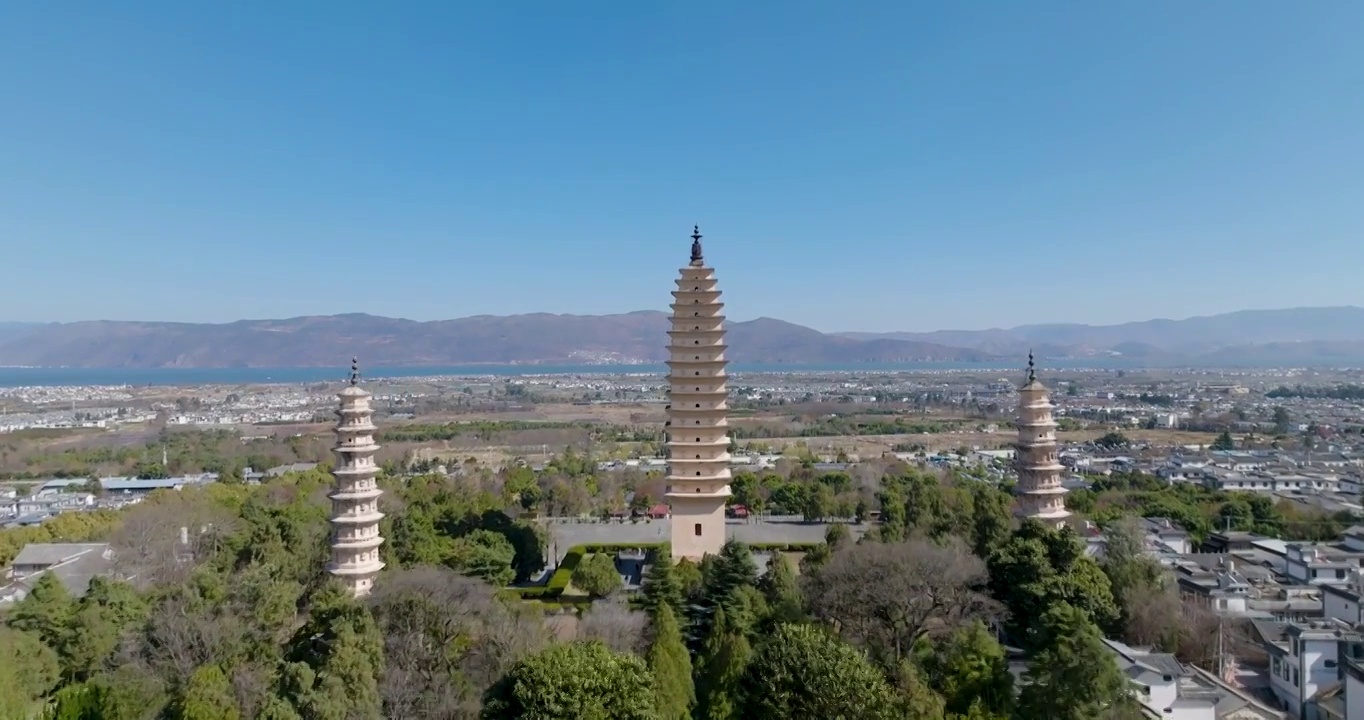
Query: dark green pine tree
[
  {"x": 45, "y": 612},
  {"x": 208, "y": 696},
  {"x": 661, "y": 585},
  {"x": 1072, "y": 676},
  {"x": 719, "y": 667},
  {"x": 971, "y": 669},
  {"x": 802, "y": 672},
  {"x": 722, "y": 576},
  {"x": 335, "y": 660},
  {"x": 576, "y": 680},
  {"x": 779, "y": 587},
  {"x": 671, "y": 666}
]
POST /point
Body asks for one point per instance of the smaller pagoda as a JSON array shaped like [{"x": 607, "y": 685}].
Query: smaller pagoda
[
  {"x": 1039, "y": 491},
  {"x": 355, "y": 494}
]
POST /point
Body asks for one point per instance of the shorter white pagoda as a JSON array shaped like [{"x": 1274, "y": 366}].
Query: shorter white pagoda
[
  {"x": 355, "y": 495},
  {"x": 1040, "y": 493}
]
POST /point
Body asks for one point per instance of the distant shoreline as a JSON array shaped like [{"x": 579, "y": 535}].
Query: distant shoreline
[{"x": 11, "y": 377}]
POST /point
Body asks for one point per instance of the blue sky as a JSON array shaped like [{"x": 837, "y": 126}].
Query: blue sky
[{"x": 854, "y": 166}]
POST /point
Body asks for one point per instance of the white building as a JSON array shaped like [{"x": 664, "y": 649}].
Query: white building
[
  {"x": 1168, "y": 689},
  {"x": 1305, "y": 659}
]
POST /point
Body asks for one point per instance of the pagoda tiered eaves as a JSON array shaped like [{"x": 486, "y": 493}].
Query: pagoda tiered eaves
[
  {"x": 1040, "y": 492},
  {"x": 355, "y": 515},
  {"x": 697, "y": 428}
]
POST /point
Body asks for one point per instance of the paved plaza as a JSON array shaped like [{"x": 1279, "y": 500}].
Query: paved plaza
[{"x": 565, "y": 534}]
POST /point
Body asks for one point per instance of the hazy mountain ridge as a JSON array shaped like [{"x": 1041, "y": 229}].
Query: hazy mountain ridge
[
  {"x": 1287, "y": 336},
  {"x": 12, "y": 330},
  {"x": 533, "y": 338},
  {"x": 1291, "y": 336}
]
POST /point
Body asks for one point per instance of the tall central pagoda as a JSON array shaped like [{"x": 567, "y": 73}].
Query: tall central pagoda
[{"x": 697, "y": 428}]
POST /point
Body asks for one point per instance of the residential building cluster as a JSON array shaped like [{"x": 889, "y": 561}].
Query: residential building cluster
[
  {"x": 1296, "y": 609},
  {"x": 59, "y": 495}
]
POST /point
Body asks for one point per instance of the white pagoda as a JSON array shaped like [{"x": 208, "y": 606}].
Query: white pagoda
[
  {"x": 355, "y": 495},
  {"x": 1039, "y": 491},
  {"x": 697, "y": 428}
]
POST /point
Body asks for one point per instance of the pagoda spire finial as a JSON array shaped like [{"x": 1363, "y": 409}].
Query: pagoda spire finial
[
  {"x": 696, "y": 244},
  {"x": 355, "y": 371},
  {"x": 1032, "y": 367}
]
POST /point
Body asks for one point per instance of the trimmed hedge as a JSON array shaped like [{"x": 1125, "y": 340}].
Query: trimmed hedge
[
  {"x": 618, "y": 547},
  {"x": 785, "y": 547},
  {"x": 558, "y": 582}
]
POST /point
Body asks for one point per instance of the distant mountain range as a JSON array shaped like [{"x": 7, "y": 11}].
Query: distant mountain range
[
  {"x": 1251, "y": 337},
  {"x": 379, "y": 341},
  {"x": 10, "y": 330}
]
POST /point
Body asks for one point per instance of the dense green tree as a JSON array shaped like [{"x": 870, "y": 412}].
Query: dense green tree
[
  {"x": 597, "y": 575},
  {"x": 927, "y": 508},
  {"x": 970, "y": 668},
  {"x": 208, "y": 696},
  {"x": 1224, "y": 442},
  {"x": 29, "y": 671},
  {"x": 278, "y": 709},
  {"x": 118, "y": 696},
  {"x": 484, "y": 554},
  {"x": 802, "y": 672},
  {"x": 446, "y": 523},
  {"x": 815, "y": 558},
  {"x": 583, "y": 680},
  {"x": 722, "y": 576},
  {"x": 1039, "y": 567},
  {"x": 671, "y": 666},
  {"x": 779, "y": 587},
  {"x": 916, "y": 698},
  {"x": 1113, "y": 441},
  {"x": 1072, "y": 675},
  {"x": 661, "y": 584},
  {"x": 150, "y": 471},
  {"x": 98, "y": 624},
  {"x": 76, "y": 702},
  {"x": 818, "y": 502},
  {"x": 45, "y": 611},
  {"x": 1283, "y": 420},
  {"x": 894, "y": 522},
  {"x": 836, "y": 535},
  {"x": 719, "y": 667},
  {"x": 991, "y": 519},
  {"x": 689, "y": 577},
  {"x": 335, "y": 660}
]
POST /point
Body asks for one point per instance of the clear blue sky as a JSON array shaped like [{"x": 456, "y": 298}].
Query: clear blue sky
[{"x": 853, "y": 165}]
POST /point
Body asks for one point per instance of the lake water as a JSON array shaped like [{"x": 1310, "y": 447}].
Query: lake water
[{"x": 29, "y": 377}]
